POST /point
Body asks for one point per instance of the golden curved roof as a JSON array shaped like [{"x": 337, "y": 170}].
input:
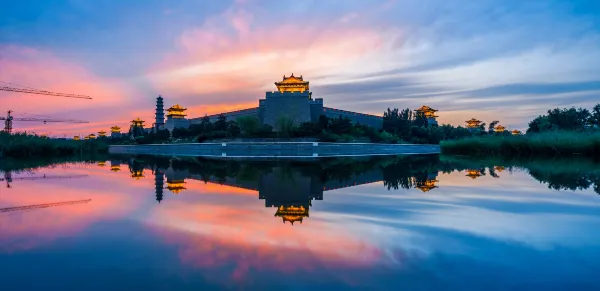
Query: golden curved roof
[
  {"x": 473, "y": 120},
  {"x": 176, "y": 107},
  {"x": 137, "y": 120},
  {"x": 425, "y": 108}
]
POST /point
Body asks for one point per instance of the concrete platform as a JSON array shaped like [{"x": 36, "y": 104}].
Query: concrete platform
[{"x": 277, "y": 150}]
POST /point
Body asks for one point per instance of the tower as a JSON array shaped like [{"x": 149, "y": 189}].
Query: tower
[
  {"x": 160, "y": 114},
  {"x": 429, "y": 114},
  {"x": 176, "y": 118}
]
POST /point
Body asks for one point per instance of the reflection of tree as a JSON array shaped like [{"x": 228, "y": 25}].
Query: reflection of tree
[{"x": 410, "y": 172}]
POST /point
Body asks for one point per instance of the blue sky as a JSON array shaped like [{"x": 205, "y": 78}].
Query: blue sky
[{"x": 504, "y": 60}]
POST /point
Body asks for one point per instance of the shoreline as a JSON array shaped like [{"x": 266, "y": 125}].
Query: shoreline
[{"x": 275, "y": 150}]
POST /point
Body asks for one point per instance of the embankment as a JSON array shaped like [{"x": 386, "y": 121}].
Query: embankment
[{"x": 274, "y": 149}]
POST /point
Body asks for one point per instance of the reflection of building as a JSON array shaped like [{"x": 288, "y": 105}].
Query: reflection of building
[
  {"x": 499, "y": 168},
  {"x": 137, "y": 174},
  {"x": 115, "y": 166},
  {"x": 102, "y": 163},
  {"x": 159, "y": 178},
  {"x": 294, "y": 101},
  {"x": 292, "y": 213},
  {"x": 499, "y": 128},
  {"x": 473, "y": 123},
  {"x": 429, "y": 114},
  {"x": 474, "y": 173},
  {"x": 176, "y": 186}
]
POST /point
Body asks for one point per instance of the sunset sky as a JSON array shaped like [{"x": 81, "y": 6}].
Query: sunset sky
[{"x": 494, "y": 60}]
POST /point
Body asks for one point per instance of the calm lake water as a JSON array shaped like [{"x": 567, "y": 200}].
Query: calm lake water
[{"x": 406, "y": 223}]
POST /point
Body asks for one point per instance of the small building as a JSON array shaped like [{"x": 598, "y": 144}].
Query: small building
[
  {"x": 91, "y": 136},
  {"x": 176, "y": 118},
  {"x": 429, "y": 114},
  {"x": 137, "y": 128},
  {"x": 115, "y": 132},
  {"x": 137, "y": 174},
  {"x": 499, "y": 128},
  {"x": 473, "y": 123},
  {"x": 102, "y": 163},
  {"x": 102, "y": 133},
  {"x": 427, "y": 185},
  {"x": 76, "y": 137},
  {"x": 516, "y": 132}
]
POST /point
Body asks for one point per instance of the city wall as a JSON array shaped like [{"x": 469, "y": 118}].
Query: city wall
[{"x": 259, "y": 150}]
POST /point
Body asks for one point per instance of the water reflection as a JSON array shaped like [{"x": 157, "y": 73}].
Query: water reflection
[{"x": 419, "y": 222}]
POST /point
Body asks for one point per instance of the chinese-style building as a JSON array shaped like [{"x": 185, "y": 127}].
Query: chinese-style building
[
  {"x": 76, "y": 137},
  {"x": 429, "y": 114},
  {"x": 294, "y": 100},
  {"x": 473, "y": 124},
  {"x": 516, "y": 132},
  {"x": 137, "y": 127},
  {"x": 115, "y": 132},
  {"x": 176, "y": 118},
  {"x": 499, "y": 128},
  {"x": 474, "y": 173},
  {"x": 102, "y": 133}
]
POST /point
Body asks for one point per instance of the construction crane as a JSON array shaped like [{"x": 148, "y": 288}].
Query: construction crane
[
  {"x": 8, "y": 120},
  {"x": 46, "y": 205},
  {"x": 43, "y": 92},
  {"x": 9, "y": 179}
]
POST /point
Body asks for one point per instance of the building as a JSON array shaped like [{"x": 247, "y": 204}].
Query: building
[
  {"x": 159, "y": 123},
  {"x": 176, "y": 186},
  {"x": 474, "y": 173},
  {"x": 429, "y": 114},
  {"x": 176, "y": 118},
  {"x": 499, "y": 128},
  {"x": 76, "y": 137},
  {"x": 137, "y": 127},
  {"x": 516, "y": 132},
  {"x": 91, "y": 136},
  {"x": 293, "y": 101},
  {"x": 473, "y": 124},
  {"x": 102, "y": 133},
  {"x": 115, "y": 132}
]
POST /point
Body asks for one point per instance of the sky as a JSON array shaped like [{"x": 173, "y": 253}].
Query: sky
[{"x": 493, "y": 60}]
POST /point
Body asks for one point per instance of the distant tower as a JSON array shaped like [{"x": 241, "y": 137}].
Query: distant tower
[
  {"x": 115, "y": 132},
  {"x": 473, "y": 124},
  {"x": 499, "y": 128},
  {"x": 101, "y": 134},
  {"x": 137, "y": 128},
  {"x": 160, "y": 114},
  {"x": 176, "y": 118}
]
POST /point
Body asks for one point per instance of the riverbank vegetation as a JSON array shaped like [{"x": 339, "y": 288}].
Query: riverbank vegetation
[
  {"x": 24, "y": 145},
  {"x": 560, "y": 132}
]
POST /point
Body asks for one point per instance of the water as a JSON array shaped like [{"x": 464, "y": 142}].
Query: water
[{"x": 412, "y": 223}]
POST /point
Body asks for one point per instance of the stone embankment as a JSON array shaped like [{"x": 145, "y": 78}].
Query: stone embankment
[{"x": 275, "y": 149}]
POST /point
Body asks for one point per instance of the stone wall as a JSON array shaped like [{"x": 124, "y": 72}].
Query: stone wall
[
  {"x": 366, "y": 119},
  {"x": 231, "y": 115},
  {"x": 274, "y": 149},
  {"x": 292, "y": 105}
]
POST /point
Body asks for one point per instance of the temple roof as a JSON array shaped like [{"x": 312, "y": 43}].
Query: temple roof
[
  {"x": 292, "y": 84},
  {"x": 176, "y": 107},
  {"x": 102, "y": 132},
  {"x": 426, "y": 108},
  {"x": 115, "y": 127},
  {"x": 137, "y": 120},
  {"x": 473, "y": 120},
  {"x": 499, "y": 128}
]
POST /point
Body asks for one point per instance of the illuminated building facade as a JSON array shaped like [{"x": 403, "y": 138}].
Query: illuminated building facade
[
  {"x": 429, "y": 114},
  {"x": 499, "y": 128},
  {"x": 176, "y": 118},
  {"x": 293, "y": 100},
  {"x": 115, "y": 132},
  {"x": 516, "y": 132},
  {"x": 473, "y": 124},
  {"x": 102, "y": 133},
  {"x": 76, "y": 137}
]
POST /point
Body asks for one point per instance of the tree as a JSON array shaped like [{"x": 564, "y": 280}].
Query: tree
[
  {"x": 249, "y": 125},
  {"x": 492, "y": 126},
  {"x": 285, "y": 126},
  {"x": 233, "y": 129},
  {"x": 221, "y": 123}
]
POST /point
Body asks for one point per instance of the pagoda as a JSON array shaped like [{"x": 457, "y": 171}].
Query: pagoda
[
  {"x": 499, "y": 128},
  {"x": 115, "y": 132},
  {"x": 86, "y": 137},
  {"x": 428, "y": 185},
  {"x": 102, "y": 133},
  {"x": 292, "y": 213},
  {"x": 292, "y": 84},
  {"x": 115, "y": 168},
  {"x": 516, "y": 132},
  {"x": 76, "y": 137},
  {"x": 473, "y": 123},
  {"x": 91, "y": 136},
  {"x": 176, "y": 186},
  {"x": 159, "y": 114},
  {"x": 102, "y": 163},
  {"x": 176, "y": 118},
  {"x": 429, "y": 114},
  {"x": 473, "y": 173}
]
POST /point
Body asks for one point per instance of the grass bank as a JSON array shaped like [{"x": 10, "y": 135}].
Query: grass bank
[
  {"x": 22, "y": 145},
  {"x": 558, "y": 143}
]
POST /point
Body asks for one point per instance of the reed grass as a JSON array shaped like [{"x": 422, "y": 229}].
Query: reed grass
[
  {"x": 21, "y": 145},
  {"x": 557, "y": 143}
]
